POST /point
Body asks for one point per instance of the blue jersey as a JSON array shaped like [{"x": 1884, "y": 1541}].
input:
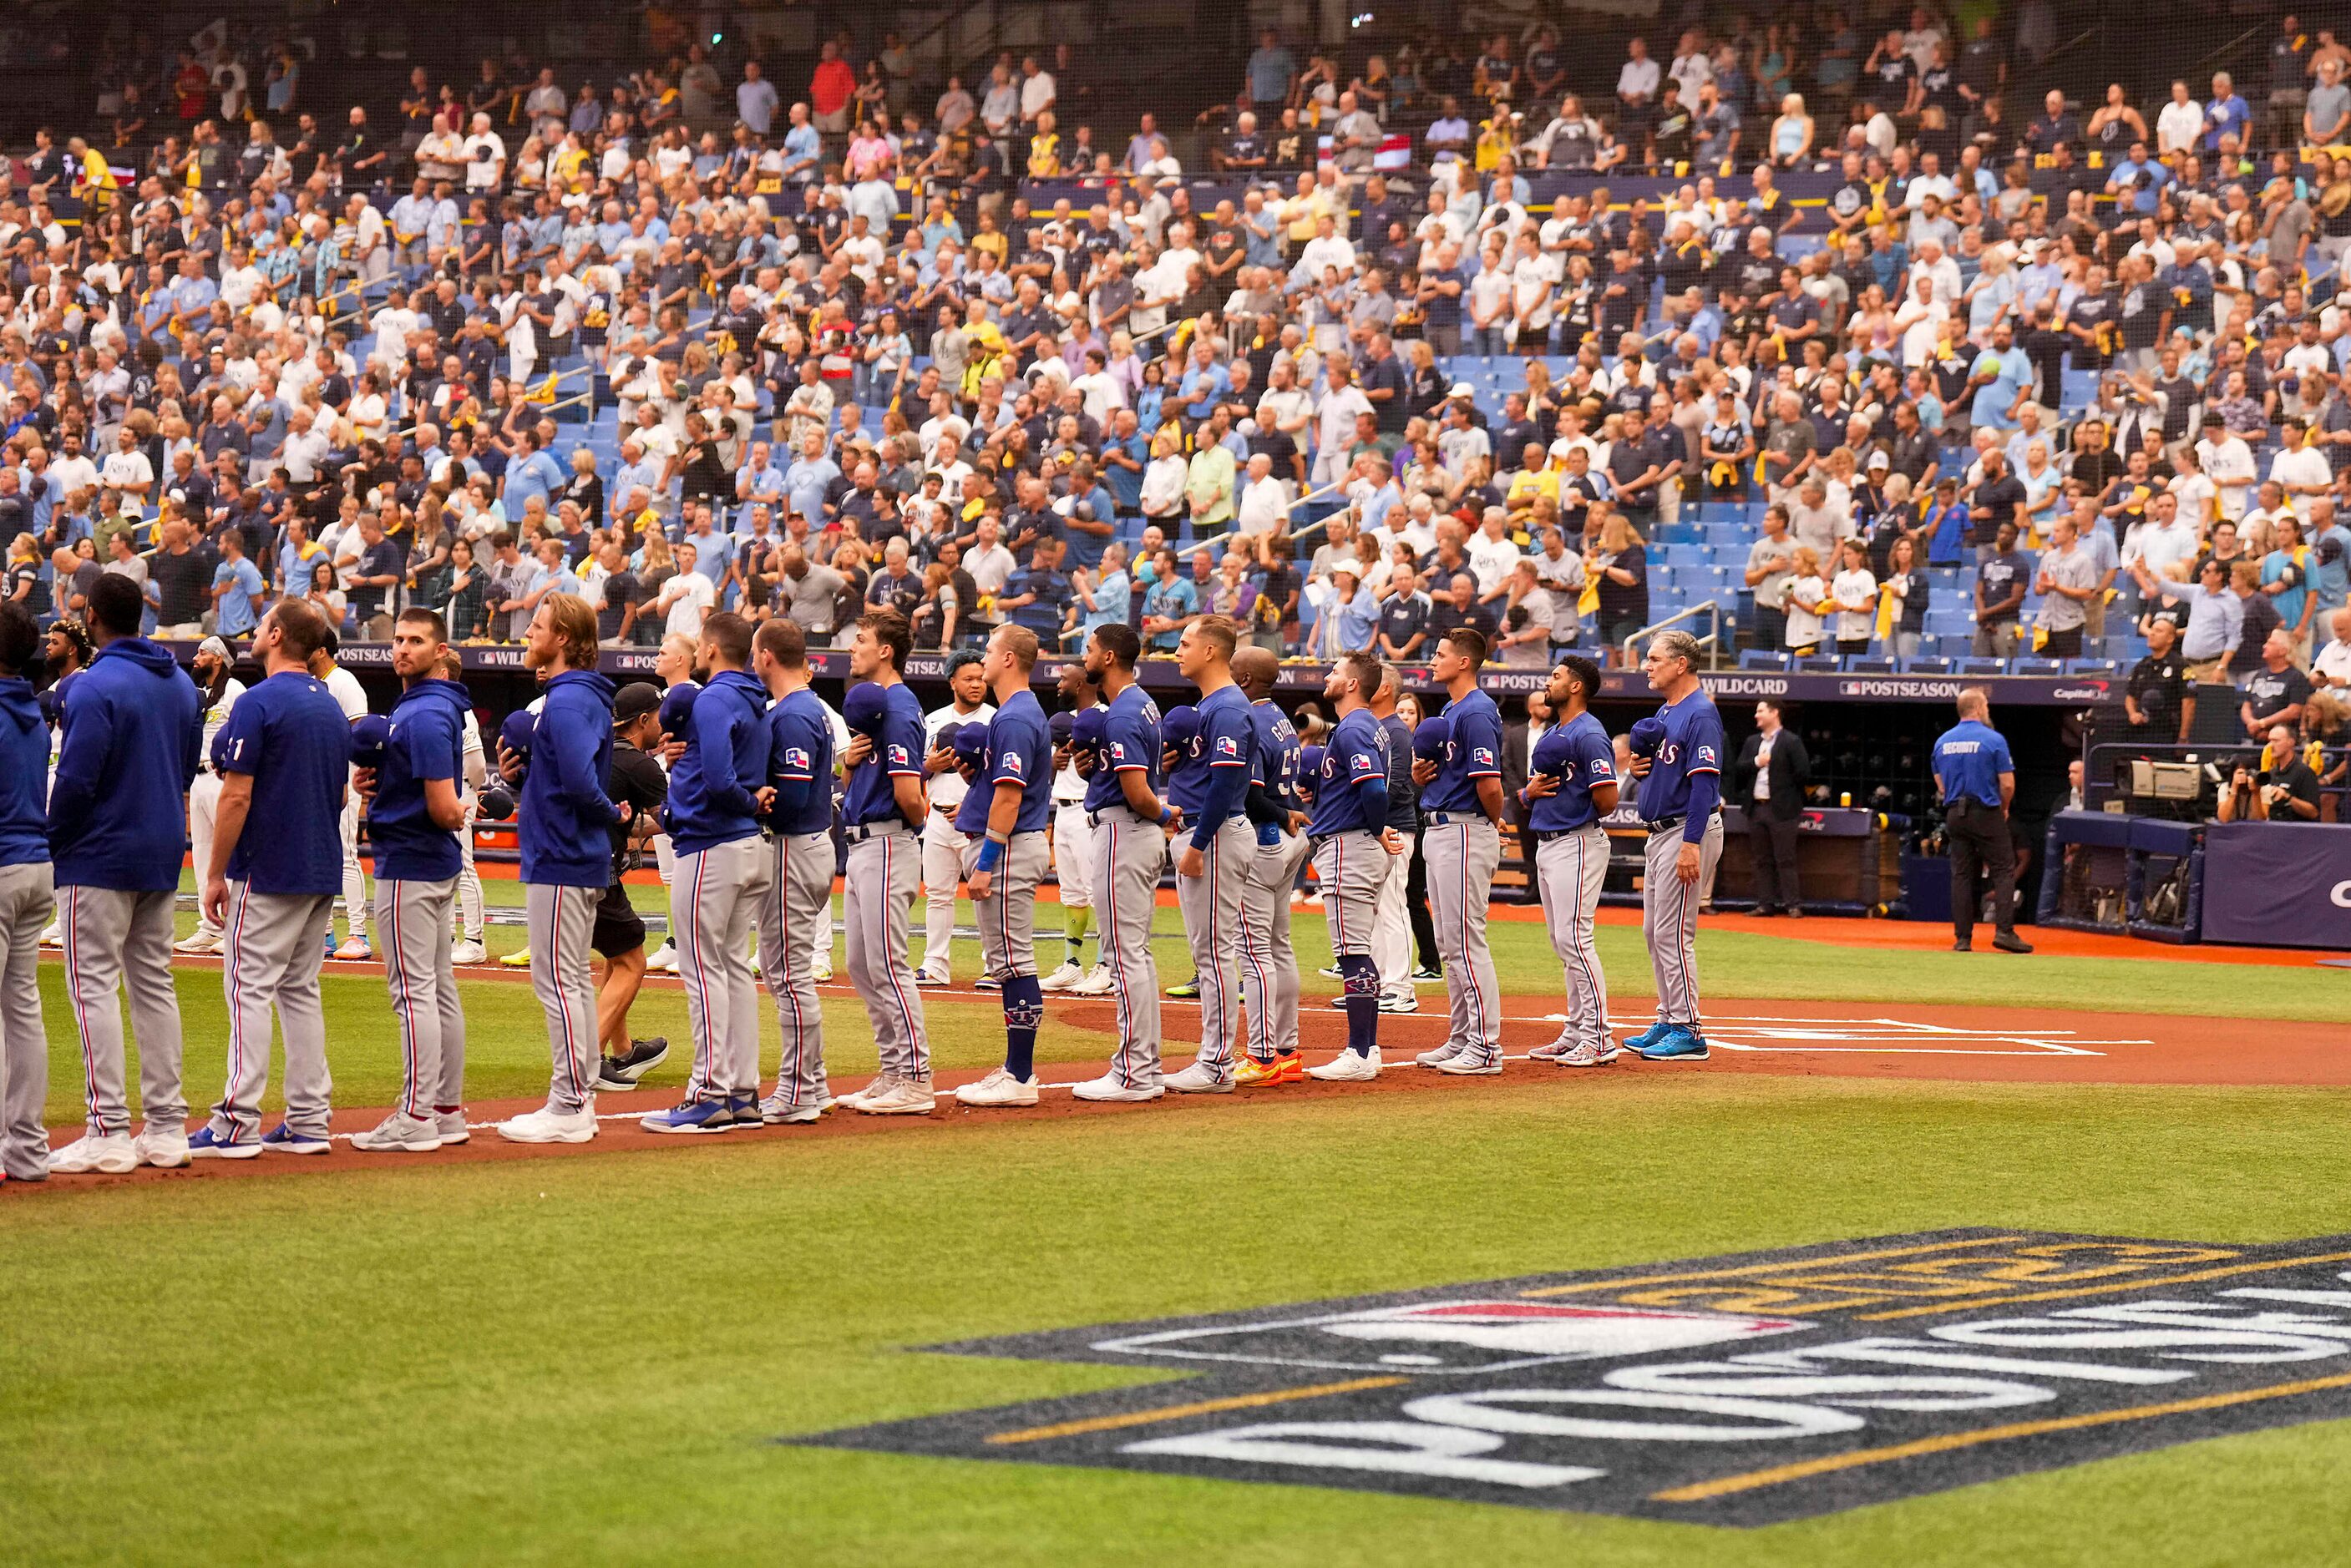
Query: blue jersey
[
  {"x": 724, "y": 765},
  {"x": 1277, "y": 753},
  {"x": 1130, "y": 731},
  {"x": 1404, "y": 796},
  {"x": 1473, "y": 751},
  {"x": 1590, "y": 760},
  {"x": 24, "y": 778},
  {"x": 1351, "y": 794},
  {"x": 897, "y": 754},
  {"x": 800, "y": 765},
  {"x": 1970, "y": 757},
  {"x": 1691, "y": 750},
  {"x": 1211, "y": 786},
  {"x": 427, "y": 743},
  {"x": 1019, "y": 752},
  {"x": 567, "y": 818},
  {"x": 128, "y": 735},
  {"x": 289, "y": 736}
]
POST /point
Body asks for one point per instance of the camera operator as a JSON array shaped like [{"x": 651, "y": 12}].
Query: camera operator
[{"x": 2283, "y": 789}]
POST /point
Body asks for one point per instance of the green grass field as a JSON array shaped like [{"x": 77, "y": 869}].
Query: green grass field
[{"x": 587, "y": 1358}]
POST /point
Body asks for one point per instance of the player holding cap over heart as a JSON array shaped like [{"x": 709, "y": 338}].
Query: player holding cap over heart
[
  {"x": 1678, "y": 756},
  {"x": 1268, "y": 961},
  {"x": 1352, "y": 843},
  {"x": 882, "y": 817},
  {"x": 1003, "y": 818},
  {"x": 799, "y": 894},
  {"x": 1213, "y": 856},
  {"x": 1461, "y": 778},
  {"x": 1572, "y": 783}
]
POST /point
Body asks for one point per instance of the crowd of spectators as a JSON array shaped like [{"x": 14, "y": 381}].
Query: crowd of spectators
[{"x": 964, "y": 348}]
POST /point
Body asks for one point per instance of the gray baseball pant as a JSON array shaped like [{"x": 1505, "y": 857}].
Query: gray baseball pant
[
  {"x": 412, "y": 920},
  {"x": 116, "y": 938},
  {"x": 274, "y": 948},
  {"x": 1352, "y": 869},
  {"x": 884, "y": 869},
  {"x": 1129, "y": 853},
  {"x": 26, "y": 900},
  {"x": 797, "y": 899},
  {"x": 1670, "y": 919},
  {"x": 1269, "y": 963},
  {"x": 1211, "y": 905},
  {"x": 1462, "y": 853},
  {"x": 1007, "y": 916},
  {"x": 558, "y": 921},
  {"x": 712, "y": 904},
  {"x": 1572, "y": 869}
]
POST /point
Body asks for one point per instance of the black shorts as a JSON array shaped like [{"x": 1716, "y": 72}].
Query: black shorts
[{"x": 619, "y": 930}]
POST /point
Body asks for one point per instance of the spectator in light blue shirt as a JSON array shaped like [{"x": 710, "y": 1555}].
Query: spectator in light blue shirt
[
  {"x": 532, "y": 473},
  {"x": 1113, "y": 596},
  {"x": 802, "y": 147},
  {"x": 2000, "y": 374},
  {"x": 236, "y": 588}
]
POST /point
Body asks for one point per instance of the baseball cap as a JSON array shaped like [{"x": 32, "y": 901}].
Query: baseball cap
[
  {"x": 971, "y": 744},
  {"x": 1062, "y": 726},
  {"x": 1179, "y": 726},
  {"x": 677, "y": 707},
  {"x": 1648, "y": 735},
  {"x": 1310, "y": 762},
  {"x": 1879, "y": 460},
  {"x": 1462, "y": 389},
  {"x": 634, "y": 701},
  {"x": 1553, "y": 754},
  {"x": 1090, "y": 729}
]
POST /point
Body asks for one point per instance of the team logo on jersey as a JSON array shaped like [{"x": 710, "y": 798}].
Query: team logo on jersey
[
  {"x": 1227, "y": 747},
  {"x": 1603, "y": 769},
  {"x": 797, "y": 757},
  {"x": 1363, "y": 763},
  {"x": 898, "y": 758},
  {"x": 1118, "y": 750},
  {"x": 1009, "y": 762},
  {"x": 1481, "y": 757},
  {"x": 1737, "y": 1391},
  {"x": 1705, "y": 758}
]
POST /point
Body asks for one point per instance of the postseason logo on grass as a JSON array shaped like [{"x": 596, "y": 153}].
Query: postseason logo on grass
[{"x": 1741, "y": 1390}]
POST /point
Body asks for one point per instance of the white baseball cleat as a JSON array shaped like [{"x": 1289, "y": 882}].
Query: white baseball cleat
[
  {"x": 1441, "y": 1056},
  {"x": 548, "y": 1125},
  {"x": 53, "y": 935},
  {"x": 402, "y": 1135},
  {"x": 1110, "y": 1087},
  {"x": 1553, "y": 1051},
  {"x": 1199, "y": 1078},
  {"x": 451, "y": 1126},
  {"x": 469, "y": 950},
  {"x": 778, "y": 1112},
  {"x": 904, "y": 1097},
  {"x": 164, "y": 1148},
  {"x": 1587, "y": 1055},
  {"x": 1399, "y": 1005},
  {"x": 999, "y": 1088},
  {"x": 1097, "y": 983},
  {"x": 663, "y": 959},
  {"x": 355, "y": 949},
  {"x": 856, "y": 1097},
  {"x": 1347, "y": 1067},
  {"x": 1469, "y": 1064},
  {"x": 1063, "y": 979},
  {"x": 197, "y": 944},
  {"x": 108, "y": 1153}
]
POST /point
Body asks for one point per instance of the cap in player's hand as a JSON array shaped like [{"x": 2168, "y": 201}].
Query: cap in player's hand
[
  {"x": 1433, "y": 737},
  {"x": 1648, "y": 735}
]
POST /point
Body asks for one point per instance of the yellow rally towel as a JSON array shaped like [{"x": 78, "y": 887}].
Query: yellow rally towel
[
  {"x": 543, "y": 394},
  {"x": 1888, "y": 608},
  {"x": 2039, "y": 638},
  {"x": 1588, "y": 600}
]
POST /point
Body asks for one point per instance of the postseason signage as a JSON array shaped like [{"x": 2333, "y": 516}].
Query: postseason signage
[{"x": 1737, "y": 1391}]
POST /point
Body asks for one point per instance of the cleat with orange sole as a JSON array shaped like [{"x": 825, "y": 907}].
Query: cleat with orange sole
[{"x": 1251, "y": 1073}]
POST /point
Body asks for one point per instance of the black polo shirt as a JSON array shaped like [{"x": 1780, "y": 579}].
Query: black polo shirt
[{"x": 2160, "y": 686}]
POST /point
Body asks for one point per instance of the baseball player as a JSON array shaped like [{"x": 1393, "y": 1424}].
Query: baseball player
[
  {"x": 26, "y": 897},
  {"x": 473, "y": 773},
  {"x": 1268, "y": 964},
  {"x": 68, "y": 649},
  {"x": 1004, "y": 816},
  {"x": 1572, "y": 783},
  {"x": 1355, "y": 848},
  {"x": 1680, "y": 765},
  {"x": 1391, "y": 932},
  {"x": 345, "y": 688},
  {"x": 130, "y": 729},
  {"x": 881, "y": 813},
  {"x": 723, "y": 869},
  {"x": 1461, "y": 802},
  {"x": 566, "y": 825},
  {"x": 217, "y": 690},
  {"x": 1121, "y": 753},
  {"x": 799, "y": 892},
  {"x": 943, "y": 846},
  {"x": 636, "y": 781},
  {"x": 415, "y": 815},
  {"x": 1210, "y": 786},
  {"x": 677, "y": 666},
  {"x": 1074, "y": 842},
  {"x": 285, "y": 758}
]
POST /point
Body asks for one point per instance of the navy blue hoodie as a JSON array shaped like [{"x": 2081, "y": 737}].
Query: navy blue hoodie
[
  {"x": 725, "y": 762},
  {"x": 117, "y": 811},
  {"x": 566, "y": 817},
  {"x": 428, "y": 742},
  {"x": 24, "y": 774}
]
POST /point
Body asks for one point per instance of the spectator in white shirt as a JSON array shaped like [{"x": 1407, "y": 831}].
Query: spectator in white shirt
[{"x": 1638, "y": 79}]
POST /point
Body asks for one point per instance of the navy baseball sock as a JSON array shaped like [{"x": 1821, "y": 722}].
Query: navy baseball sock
[
  {"x": 1024, "y": 1009},
  {"x": 1360, "y": 980}
]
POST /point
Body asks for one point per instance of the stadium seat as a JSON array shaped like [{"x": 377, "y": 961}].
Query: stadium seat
[
  {"x": 2029, "y": 665},
  {"x": 1819, "y": 664},
  {"x": 1982, "y": 667},
  {"x": 1927, "y": 665},
  {"x": 2092, "y": 667},
  {"x": 1868, "y": 664},
  {"x": 1763, "y": 659}
]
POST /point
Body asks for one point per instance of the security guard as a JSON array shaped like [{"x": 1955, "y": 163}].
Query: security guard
[{"x": 1975, "y": 778}]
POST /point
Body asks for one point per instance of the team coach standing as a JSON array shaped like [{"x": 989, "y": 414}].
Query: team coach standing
[
  {"x": 1976, "y": 777},
  {"x": 1770, "y": 780}
]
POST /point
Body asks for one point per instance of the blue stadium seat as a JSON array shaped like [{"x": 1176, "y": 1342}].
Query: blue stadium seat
[
  {"x": 2031, "y": 666},
  {"x": 2092, "y": 667},
  {"x": 1868, "y": 664},
  {"x": 1925, "y": 665},
  {"x": 1819, "y": 664},
  {"x": 1982, "y": 667},
  {"x": 1763, "y": 659}
]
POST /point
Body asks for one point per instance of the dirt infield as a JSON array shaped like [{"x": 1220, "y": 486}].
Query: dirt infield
[{"x": 1861, "y": 1040}]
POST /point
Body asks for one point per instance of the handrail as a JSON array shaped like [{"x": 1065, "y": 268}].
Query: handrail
[
  {"x": 1711, "y": 641},
  {"x": 2234, "y": 44}
]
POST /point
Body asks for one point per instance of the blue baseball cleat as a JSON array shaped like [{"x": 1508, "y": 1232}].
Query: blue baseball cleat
[
  {"x": 745, "y": 1110},
  {"x": 284, "y": 1140},
  {"x": 206, "y": 1144},
  {"x": 715, "y": 1115},
  {"x": 1647, "y": 1037},
  {"x": 1678, "y": 1043}
]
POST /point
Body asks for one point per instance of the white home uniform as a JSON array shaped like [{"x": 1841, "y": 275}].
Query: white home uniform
[
  {"x": 470, "y": 915},
  {"x": 1073, "y": 863},
  {"x": 204, "y": 805},
  {"x": 943, "y": 846},
  {"x": 344, "y": 687}
]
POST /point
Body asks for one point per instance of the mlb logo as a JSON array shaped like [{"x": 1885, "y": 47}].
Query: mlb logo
[
  {"x": 1457, "y": 1337},
  {"x": 795, "y": 757},
  {"x": 1226, "y": 747}
]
